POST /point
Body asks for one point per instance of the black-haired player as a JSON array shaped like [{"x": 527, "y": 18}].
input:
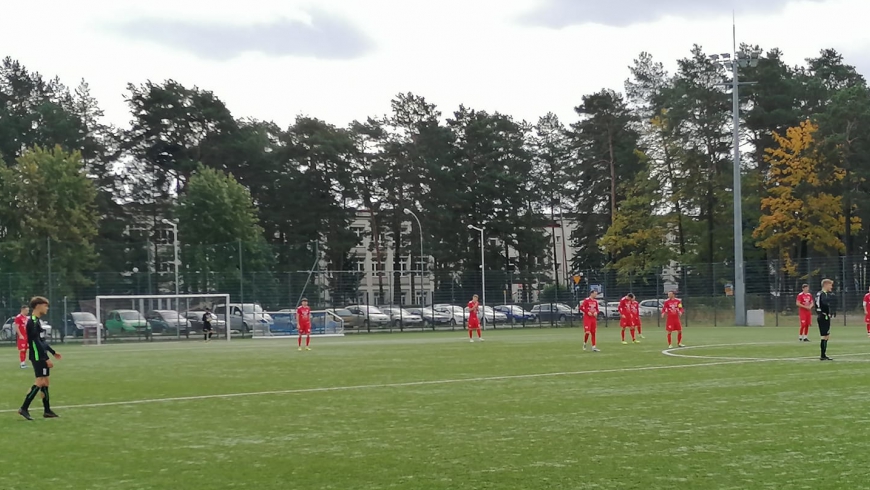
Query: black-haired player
[
  {"x": 207, "y": 329},
  {"x": 42, "y": 365}
]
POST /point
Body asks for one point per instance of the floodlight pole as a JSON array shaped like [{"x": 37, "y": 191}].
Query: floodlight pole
[
  {"x": 734, "y": 63},
  {"x": 422, "y": 266},
  {"x": 174, "y": 226},
  {"x": 482, "y": 274}
]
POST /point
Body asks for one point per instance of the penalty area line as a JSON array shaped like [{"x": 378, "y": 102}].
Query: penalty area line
[{"x": 400, "y": 385}]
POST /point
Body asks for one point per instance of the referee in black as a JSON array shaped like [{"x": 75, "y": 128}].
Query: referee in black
[
  {"x": 826, "y": 308},
  {"x": 42, "y": 365}
]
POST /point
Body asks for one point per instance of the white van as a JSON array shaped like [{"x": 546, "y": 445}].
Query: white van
[{"x": 244, "y": 316}]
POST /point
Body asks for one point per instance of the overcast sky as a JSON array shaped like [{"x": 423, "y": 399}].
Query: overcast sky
[{"x": 341, "y": 60}]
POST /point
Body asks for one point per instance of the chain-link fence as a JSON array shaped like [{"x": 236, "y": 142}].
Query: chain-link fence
[{"x": 276, "y": 278}]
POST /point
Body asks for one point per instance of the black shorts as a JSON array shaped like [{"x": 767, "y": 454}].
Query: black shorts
[
  {"x": 40, "y": 369},
  {"x": 206, "y": 327},
  {"x": 824, "y": 326}
]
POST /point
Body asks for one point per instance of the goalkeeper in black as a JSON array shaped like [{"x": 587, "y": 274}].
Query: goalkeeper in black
[
  {"x": 42, "y": 365},
  {"x": 826, "y": 308}
]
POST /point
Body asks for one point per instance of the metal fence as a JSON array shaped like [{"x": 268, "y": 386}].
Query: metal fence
[{"x": 275, "y": 278}]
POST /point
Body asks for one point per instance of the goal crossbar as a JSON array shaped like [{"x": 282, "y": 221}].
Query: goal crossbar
[{"x": 134, "y": 297}]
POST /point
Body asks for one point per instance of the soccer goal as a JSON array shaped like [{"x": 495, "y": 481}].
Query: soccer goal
[
  {"x": 282, "y": 324},
  {"x": 157, "y": 317}
]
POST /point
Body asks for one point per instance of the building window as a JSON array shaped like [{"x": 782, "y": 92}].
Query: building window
[
  {"x": 360, "y": 231},
  {"x": 378, "y": 269},
  {"x": 359, "y": 264},
  {"x": 379, "y": 300},
  {"x": 404, "y": 298}
]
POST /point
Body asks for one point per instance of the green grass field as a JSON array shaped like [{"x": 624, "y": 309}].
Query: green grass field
[{"x": 527, "y": 409}]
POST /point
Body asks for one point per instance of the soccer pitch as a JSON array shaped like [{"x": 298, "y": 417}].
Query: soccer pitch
[{"x": 527, "y": 409}]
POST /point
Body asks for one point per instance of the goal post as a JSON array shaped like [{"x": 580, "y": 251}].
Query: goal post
[
  {"x": 151, "y": 317},
  {"x": 324, "y": 323}
]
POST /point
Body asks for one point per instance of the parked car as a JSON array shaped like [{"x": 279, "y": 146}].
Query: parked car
[
  {"x": 459, "y": 314},
  {"x": 195, "y": 320},
  {"x": 515, "y": 313},
  {"x": 120, "y": 322},
  {"x": 7, "y": 332},
  {"x": 553, "y": 312},
  {"x": 651, "y": 307},
  {"x": 169, "y": 322},
  {"x": 369, "y": 316},
  {"x": 350, "y": 320},
  {"x": 611, "y": 310},
  {"x": 244, "y": 316},
  {"x": 78, "y": 322},
  {"x": 432, "y": 317},
  {"x": 402, "y": 317},
  {"x": 494, "y": 317}
]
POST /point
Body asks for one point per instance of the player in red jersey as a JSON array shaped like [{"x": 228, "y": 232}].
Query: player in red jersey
[
  {"x": 673, "y": 310},
  {"x": 473, "y": 320},
  {"x": 303, "y": 323},
  {"x": 626, "y": 317},
  {"x": 589, "y": 308},
  {"x": 634, "y": 309},
  {"x": 21, "y": 327},
  {"x": 867, "y": 311},
  {"x": 806, "y": 304}
]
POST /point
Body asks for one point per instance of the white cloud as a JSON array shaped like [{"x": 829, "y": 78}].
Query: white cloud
[{"x": 450, "y": 51}]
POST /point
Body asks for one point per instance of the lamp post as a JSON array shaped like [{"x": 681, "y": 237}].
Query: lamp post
[
  {"x": 482, "y": 273},
  {"x": 422, "y": 267},
  {"x": 174, "y": 226},
  {"x": 738, "y": 60}
]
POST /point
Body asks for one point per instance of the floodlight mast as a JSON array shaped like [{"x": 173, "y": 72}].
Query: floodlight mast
[{"x": 739, "y": 60}]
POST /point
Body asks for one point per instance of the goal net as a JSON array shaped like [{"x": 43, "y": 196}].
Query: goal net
[
  {"x": 149, "y": 318},
  {"x": 324, "y": 323}
]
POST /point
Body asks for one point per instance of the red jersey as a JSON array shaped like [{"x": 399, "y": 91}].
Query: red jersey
[
  {"x": 589, "y": 307},
  {"x": 673, "y": 308},
  {"x": 21, "y": 327},
  {"x": 472, "y": 310},
  {"x": 867, "y": 303},
  {"x": 806, "y": 299},
  {"x": 634, "y": 311},
  {"x": 625, "y": 317},
  {"x": 303, "y": 316}
]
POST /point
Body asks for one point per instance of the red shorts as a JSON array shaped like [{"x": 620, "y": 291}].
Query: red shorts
[
  {"x": 867, "y": 319},
  {"x": 22, "y": 344},
  {"x": 626, "y": 322},
  {"x": 590, "y": 324},
  {"x": 473, "y": 324},
  {"x": 305, "y": 329},
  {"x": 806, "y": 320},
  {"x": 674, "y": 326}
]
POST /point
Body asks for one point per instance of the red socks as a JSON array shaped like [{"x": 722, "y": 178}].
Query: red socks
[
  {"x": 23, "y": 353},
  {"x": 593, "y": 339},
  {"x": 307, "y": 340},
  {"x": 669, "y": 339},
  {"x": 679, "y": 337},
  {"x": 470, "y": 333},
  {"x": 299, "y": 341},
  {"x": 586, "y": 338},
  {"x": 638, "y": 330},
  {"x": 623, "y": 334},
  {"x": 478, "y": 333},
  {"x": 633, "y": 338}
]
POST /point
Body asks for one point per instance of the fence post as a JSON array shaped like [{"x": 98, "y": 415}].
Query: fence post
[{"x": 714, "y": 297}]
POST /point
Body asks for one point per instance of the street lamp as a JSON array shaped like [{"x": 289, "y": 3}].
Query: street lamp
[
  {"x": 420, "y": 227},
  {"x": 482, "y": 273},
  {"x": 739, "y": 60},
  {"x": 174, "y": 226}
]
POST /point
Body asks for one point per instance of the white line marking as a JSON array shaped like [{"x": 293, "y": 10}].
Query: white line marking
[
  {"x": 674, "y": 353},
  {"x": 403, "y": 385}
]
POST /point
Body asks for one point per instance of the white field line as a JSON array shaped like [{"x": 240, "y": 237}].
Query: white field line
[
  {"x": 677, "y": 352},
  {"x": 402, "y": 385}
]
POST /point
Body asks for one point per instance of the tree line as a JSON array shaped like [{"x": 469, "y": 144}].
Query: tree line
[{"x": 645, "y": 170}]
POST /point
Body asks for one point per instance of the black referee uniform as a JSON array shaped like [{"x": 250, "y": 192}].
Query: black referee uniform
[
  {"x": 39, "y": 348},
  {"x": 826, "y": 308}
]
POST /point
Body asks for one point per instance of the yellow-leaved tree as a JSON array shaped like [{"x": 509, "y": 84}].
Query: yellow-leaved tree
[{"x": 800, "y": 210}]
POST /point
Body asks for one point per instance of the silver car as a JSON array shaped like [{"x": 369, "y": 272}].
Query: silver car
[
  {"x": 402, "y": 317},
  {"x": 369, "y": 316}
]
